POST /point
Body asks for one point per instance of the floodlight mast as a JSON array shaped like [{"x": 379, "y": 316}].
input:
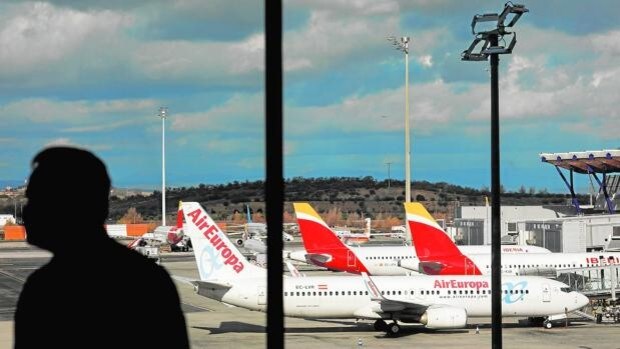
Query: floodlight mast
[
  {"x": 488, "y": 41},
  {"x": 163, "y": 112},
  {"x": 403, "y": 45}
]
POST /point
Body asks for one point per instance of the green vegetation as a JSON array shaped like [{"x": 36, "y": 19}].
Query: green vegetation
[{"x": 353, "y": 197}]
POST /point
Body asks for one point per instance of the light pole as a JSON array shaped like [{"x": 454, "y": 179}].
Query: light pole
[
  {"x": 163, "y": 111},
  {"x": 403, "y": 45},
  {"x": 389, "y": 177},
  {"x": 490, "y": 48}
]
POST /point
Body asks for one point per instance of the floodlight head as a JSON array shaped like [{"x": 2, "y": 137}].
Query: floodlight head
[
  {"x": 509, "y": 8},
  {"x": 163, "y": 111},
  {"x": 470, "y": 55},
  {"x": 499, "y": 31}
]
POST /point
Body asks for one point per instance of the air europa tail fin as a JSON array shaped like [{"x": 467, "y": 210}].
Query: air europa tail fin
[
  {"x": 316, "y": 235},
  {"x": 428, "y": 238},
  {"x": 216, "y": 256}
]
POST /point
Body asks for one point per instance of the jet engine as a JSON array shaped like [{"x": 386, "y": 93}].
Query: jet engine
[{"x": 444, "y": 317}]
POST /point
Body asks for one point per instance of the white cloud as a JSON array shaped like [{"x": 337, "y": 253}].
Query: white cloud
[
  {"x": 214, "y": 62},
  {"x": 36, "y": 34},
  {"x": 426, "y": 60},
  {"x": 345, "y": 8},
  {"x": 60, "y": 142},
  {"x": 246, "y": 110},
  {"x": 42, "y": 110},
  {"x": 382, "y": 111},
  {"x": 63, "y": 141}
]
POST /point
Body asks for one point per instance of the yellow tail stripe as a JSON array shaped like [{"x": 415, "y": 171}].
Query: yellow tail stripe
[
  {"x": 416, "y": 208},
  {"x": 305, "y": 208}
]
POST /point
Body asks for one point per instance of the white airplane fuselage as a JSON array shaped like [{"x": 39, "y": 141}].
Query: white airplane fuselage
[
  {"x": 385, "y": 260},
  {"x": 347, "y": 297}
]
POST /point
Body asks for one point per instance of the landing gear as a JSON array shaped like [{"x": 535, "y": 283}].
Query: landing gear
[
  {"x": 547, "y": 324},
  {"x": 380, "y": 325},
  {"x": 393, "y": 329}
]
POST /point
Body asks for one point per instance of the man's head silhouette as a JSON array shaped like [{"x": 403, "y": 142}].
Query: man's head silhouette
[{"x": 67, "y": 195}]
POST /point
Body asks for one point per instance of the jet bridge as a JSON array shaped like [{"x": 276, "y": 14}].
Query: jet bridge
[
  {"x": 599, "y": 282},
  {"x": 593, "y": 163}
]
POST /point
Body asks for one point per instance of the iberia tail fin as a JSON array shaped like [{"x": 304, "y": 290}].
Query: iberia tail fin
[
  {"x": 315, "y": 233},
  {"x": 428, "y": 238},
  {"x": 438, "y": 254}
]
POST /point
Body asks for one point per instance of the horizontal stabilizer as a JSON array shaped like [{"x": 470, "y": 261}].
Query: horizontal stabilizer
[
  {"x": 184, "y": 279},
  {"x": 318, "y": 258},
  {"x": 431, "y": 268},
  {"x": 202, "y": 284},
  {"x": 212, "y": 284}
]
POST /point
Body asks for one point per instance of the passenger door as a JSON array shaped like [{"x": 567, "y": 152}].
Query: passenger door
[
  {"x": 262, "y": 295},
  {"x": 546, "y": 293}
]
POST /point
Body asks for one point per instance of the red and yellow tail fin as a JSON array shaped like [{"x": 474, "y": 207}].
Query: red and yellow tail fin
[{"x": 315, "y": 233}]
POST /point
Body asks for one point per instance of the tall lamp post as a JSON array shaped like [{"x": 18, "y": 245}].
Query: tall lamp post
[
  {"x": 163, "y": 112},
  {"x": 488, "y": 44},
  {"x": 403, "y": 45},
  {"x": 389, "y": 164}
]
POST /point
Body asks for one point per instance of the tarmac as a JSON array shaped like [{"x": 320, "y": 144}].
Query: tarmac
[{"x": 212, "y": 324}]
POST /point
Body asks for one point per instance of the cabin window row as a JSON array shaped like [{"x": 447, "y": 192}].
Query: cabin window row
[
  {"x": 386, "y": 257},
  {"x": 326, "y": 293},
  {"x": 395, "y": 293},
  {"x": 541, "y": 266}
]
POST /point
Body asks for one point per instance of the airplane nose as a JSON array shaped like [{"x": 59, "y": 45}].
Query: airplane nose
[{"x": 581, "y": 300}]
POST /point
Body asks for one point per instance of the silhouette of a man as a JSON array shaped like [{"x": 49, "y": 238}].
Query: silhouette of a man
[{"x": 94, "y": 292}]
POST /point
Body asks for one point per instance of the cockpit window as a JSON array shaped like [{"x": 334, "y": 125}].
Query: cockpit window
[{"x": 565, "y": 289}]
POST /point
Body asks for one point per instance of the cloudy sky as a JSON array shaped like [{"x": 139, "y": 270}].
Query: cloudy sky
[{"x": 94, "y": 74}]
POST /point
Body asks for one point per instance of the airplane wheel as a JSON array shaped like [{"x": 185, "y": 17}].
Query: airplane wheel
[
  {"x": 380, "y": 325},
  {"x": 393, "y": 329},
  {"x": 548, "y": 324}
]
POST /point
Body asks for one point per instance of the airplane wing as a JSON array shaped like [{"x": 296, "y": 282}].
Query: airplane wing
[{"x": 391, "y": 305}]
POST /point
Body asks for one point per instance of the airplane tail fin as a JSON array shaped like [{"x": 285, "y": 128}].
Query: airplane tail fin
[
  {"x": 176, "y": 234},
  {"x": 249, "y": 215},
  {"x": 434, "y": 247},
  {"x": 216, "y": 256},
  {"x": 428, "y": 238},
  {"x": 315, "y": 233}
]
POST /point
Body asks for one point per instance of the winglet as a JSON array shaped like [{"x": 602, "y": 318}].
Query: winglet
[
  {"x": 291, "y": 268},
  {"x": 373, "y": 290}
]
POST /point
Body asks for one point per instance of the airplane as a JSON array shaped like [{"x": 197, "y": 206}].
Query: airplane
[
  {"x": 164, "y": 234},
  {"x": 430, "y": 241},
  {"x": 349, "y": 237},
  {"x": 254, "y": 233},
  {"x": 436, "y": 302},
  {"x": 324, "y": 249}
]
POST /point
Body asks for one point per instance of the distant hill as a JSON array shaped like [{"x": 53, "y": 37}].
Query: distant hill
[
  {"x": 343, "y": 200},
  {"x": 350, "y": 197}
]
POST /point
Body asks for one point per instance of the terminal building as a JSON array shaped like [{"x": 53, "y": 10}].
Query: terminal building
[
  {"x": 571, "y": 228},
  {"x": 574, "y": 227}
]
